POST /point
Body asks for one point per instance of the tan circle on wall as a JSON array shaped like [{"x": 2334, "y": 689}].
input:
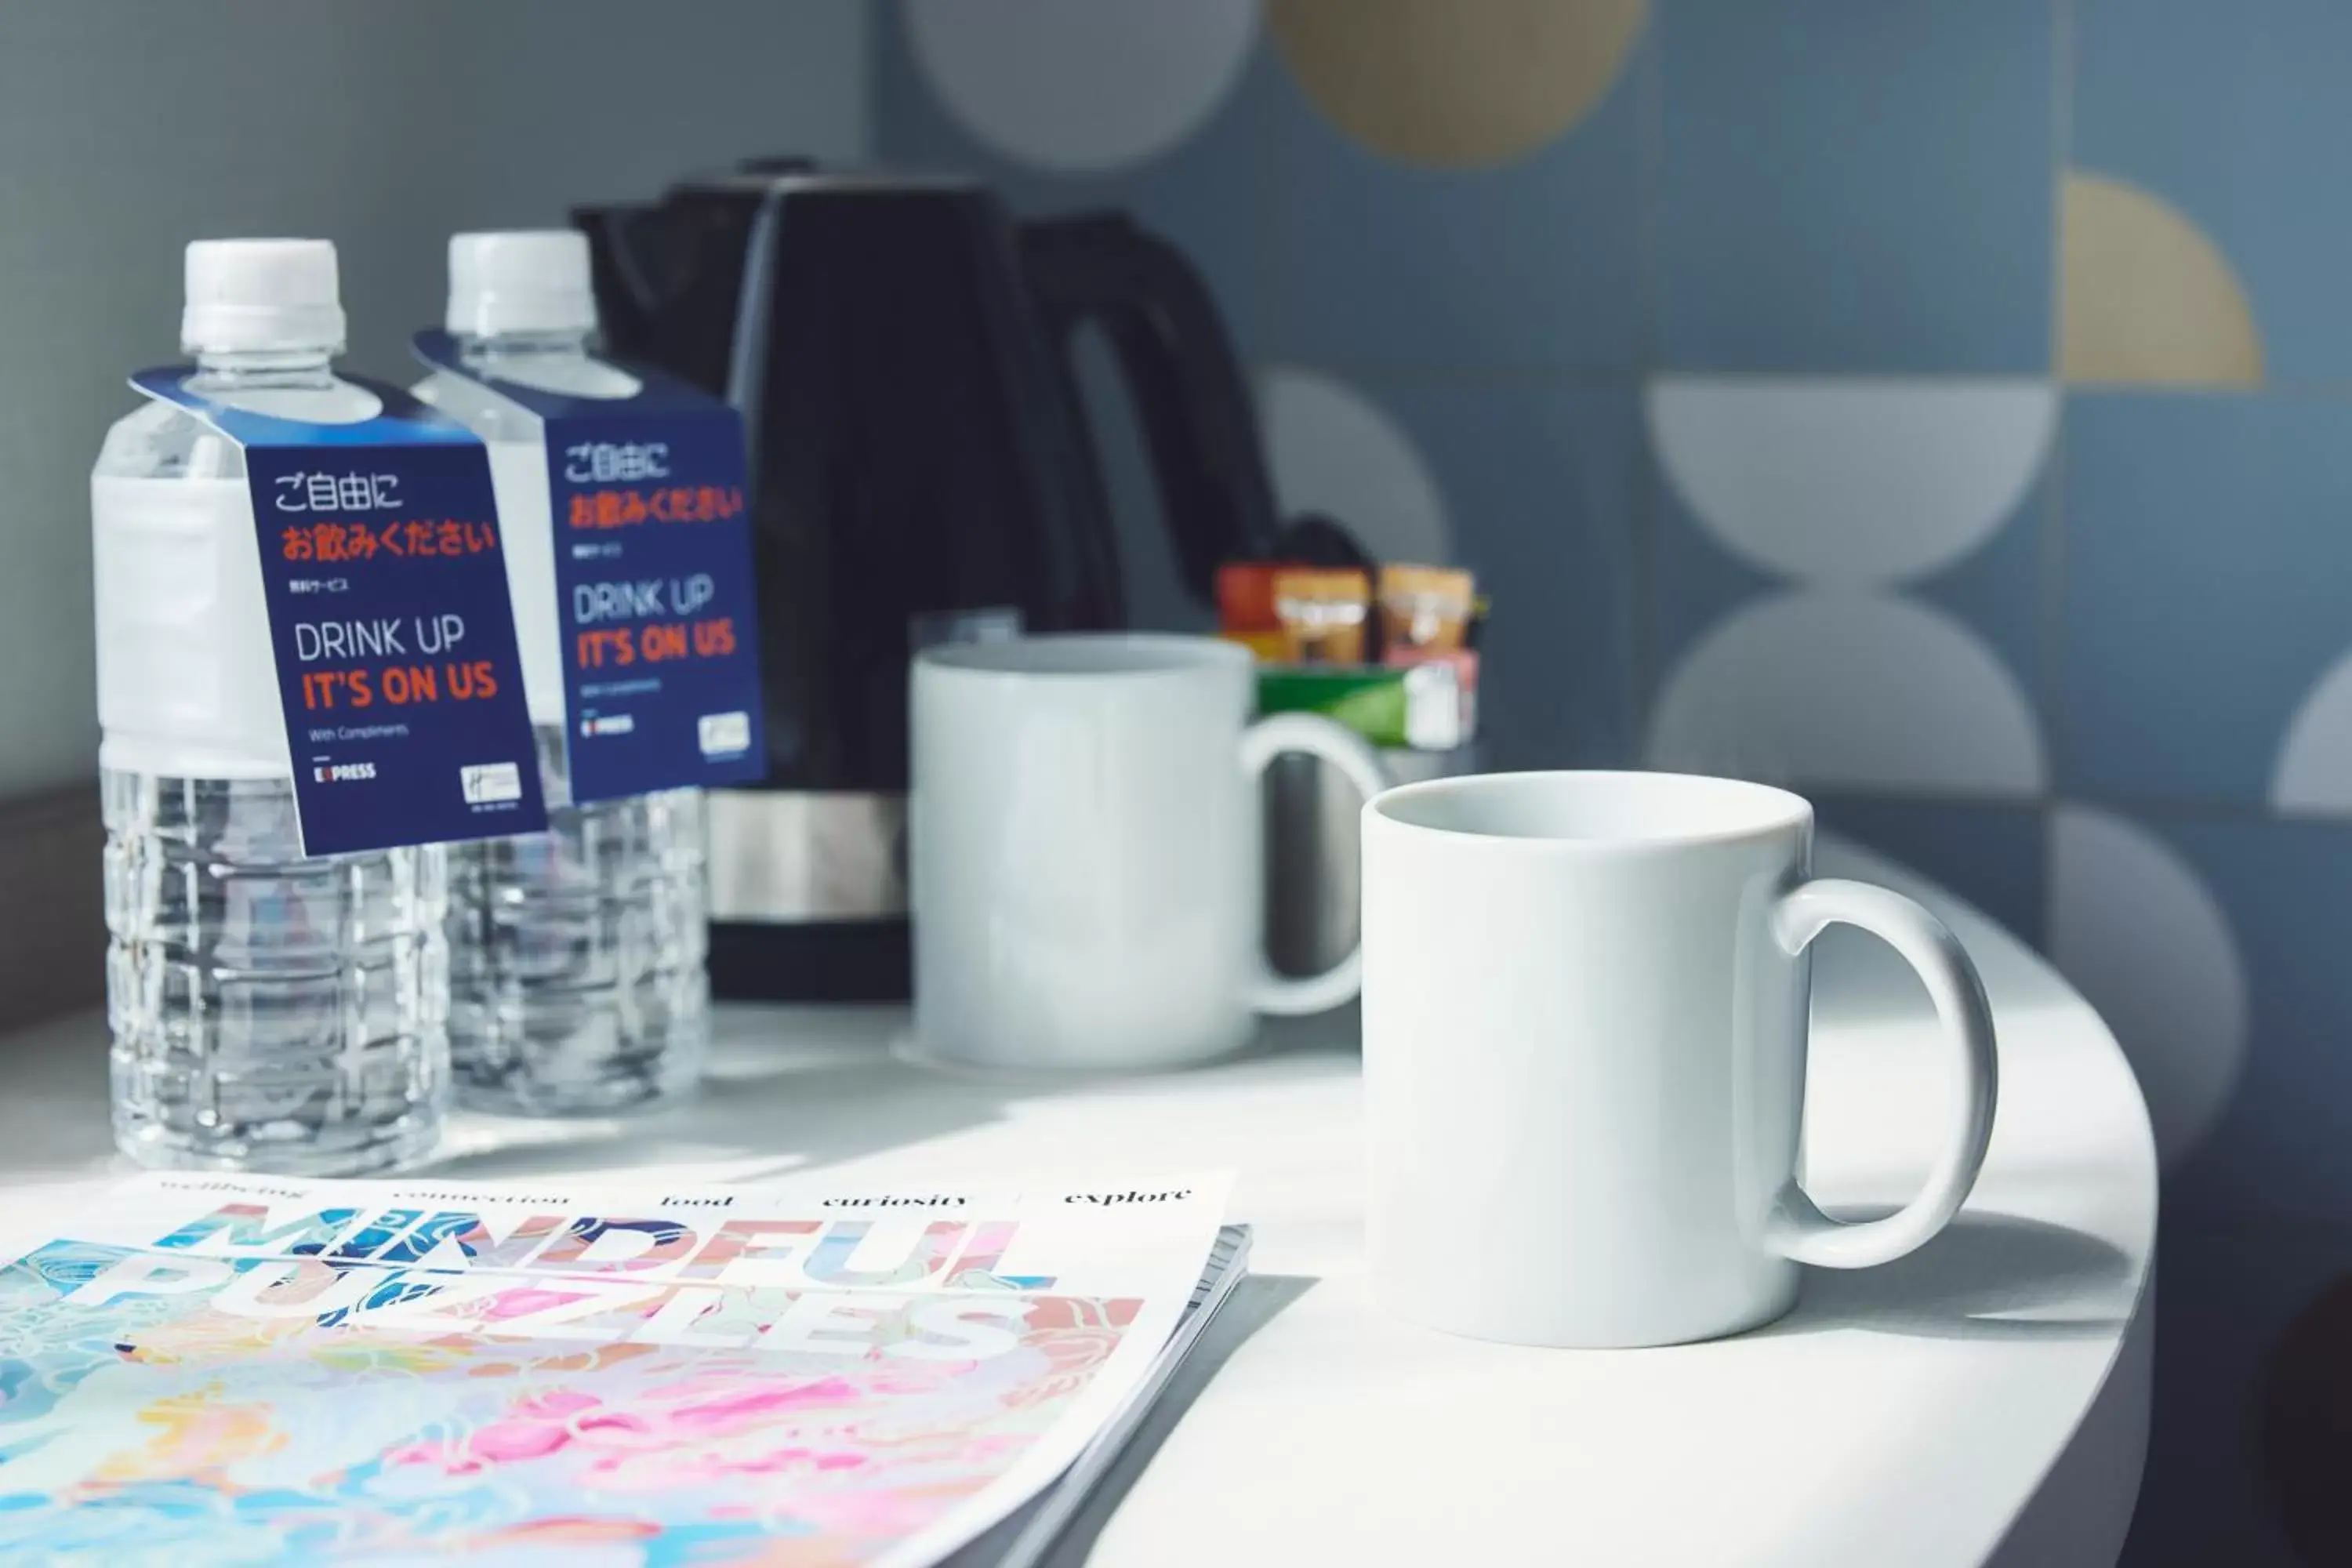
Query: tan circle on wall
[
  {"x": 2148, "y": 297},
  {"x": 1455, "y": 84}
]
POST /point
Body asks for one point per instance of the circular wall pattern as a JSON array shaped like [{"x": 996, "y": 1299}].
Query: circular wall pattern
[
  {"x": 2314, "y": 774},
  {"x": 1081, "y": 85},
  {"x": 1852, "y": 689},
  {"x": 2145, "y": 296},
  {"x": 1334, "y": 452},
  {"x": 1848, "y": 481},
  {"x": 2145, "y": 942},
  {"x": 1455, "y": 83}
]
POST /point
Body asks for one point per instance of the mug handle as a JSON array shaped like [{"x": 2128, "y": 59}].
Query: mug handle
[
  {"x": 1341, "y": 747},
  {"x": 1798, "y": 1229}
]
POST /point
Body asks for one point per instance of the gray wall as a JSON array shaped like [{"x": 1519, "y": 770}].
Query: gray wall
[
  {"x": 130, "y": 127},
  {"x": 1943, "y": 405}
]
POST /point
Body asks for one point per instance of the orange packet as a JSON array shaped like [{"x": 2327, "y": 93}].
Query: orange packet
[
  {"x": 1423, "y": 609},
  {"x": 1322, "y": 611}
]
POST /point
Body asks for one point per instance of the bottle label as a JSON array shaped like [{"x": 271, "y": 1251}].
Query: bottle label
[
  {"x": 652, "y": 571},
  {"x": 397, "y": 670}
]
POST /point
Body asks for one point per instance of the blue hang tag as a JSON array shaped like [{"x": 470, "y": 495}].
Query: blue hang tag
[
  {"x": 652, "y": 569},
  {"x": 397, "y": 671}
]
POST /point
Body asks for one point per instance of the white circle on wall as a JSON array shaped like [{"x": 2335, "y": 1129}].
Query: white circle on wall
[
  {"x": 1865, "y": 691},
  {"x": 2313, "y": 773},
  {"x": 2147, "y": 944},
  {"x": 1851, "y": 481},
  {"x": 1081, "y": 85},
  {"x": 1333, "y": 451}
]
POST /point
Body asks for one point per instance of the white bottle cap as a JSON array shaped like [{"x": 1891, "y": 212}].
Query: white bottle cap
[
  {"x": 261, "y": 294},
  {"x": 523, "y": 281}
]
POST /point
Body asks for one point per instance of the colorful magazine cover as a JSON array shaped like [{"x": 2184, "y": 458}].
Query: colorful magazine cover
[{"x": 242, "y": 1370}]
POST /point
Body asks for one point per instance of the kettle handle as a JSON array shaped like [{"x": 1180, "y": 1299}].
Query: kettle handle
[{"x": 1172, "y": 347}]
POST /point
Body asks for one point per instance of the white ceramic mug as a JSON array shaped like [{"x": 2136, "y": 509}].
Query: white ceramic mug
[
  {"x": 1584, "y": 1056},
  {"x": 1085, "y": 851}
]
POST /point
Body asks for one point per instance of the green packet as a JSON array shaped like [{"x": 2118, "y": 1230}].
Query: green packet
[{"x": 1418, "y": 705}]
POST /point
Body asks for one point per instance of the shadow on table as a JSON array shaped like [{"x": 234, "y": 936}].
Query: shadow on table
[
  {"x": 808, "y": 1102},
  {"x": 1988, "y": 1276},
  {"x": 800, "y": 1089},
  {"x": 1257, "y": 1301}
]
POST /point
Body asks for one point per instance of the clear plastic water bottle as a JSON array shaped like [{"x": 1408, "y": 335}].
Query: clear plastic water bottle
[
  {"x": 269, "y": 1012},
  {"x": 577, "y": 980}
]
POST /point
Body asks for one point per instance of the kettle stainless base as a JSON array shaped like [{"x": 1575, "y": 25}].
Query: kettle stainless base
[{"x": 808, "y": 896}]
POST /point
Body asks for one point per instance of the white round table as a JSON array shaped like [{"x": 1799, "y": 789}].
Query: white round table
[{"x": 1983, "y": 1400}]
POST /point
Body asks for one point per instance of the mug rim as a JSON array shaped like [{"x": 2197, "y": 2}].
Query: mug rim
[
  {"x": 1164, "y": 653},
  {"x": 1780, "y": 809}
]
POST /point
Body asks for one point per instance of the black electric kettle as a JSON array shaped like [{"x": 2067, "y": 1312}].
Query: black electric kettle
[{"x": 922, "y": 471}]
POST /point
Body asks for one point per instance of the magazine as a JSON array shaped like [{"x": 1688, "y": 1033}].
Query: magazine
[
  {"x": 1029, "y": 1536},
  {"x": 231, "y": 1369}
]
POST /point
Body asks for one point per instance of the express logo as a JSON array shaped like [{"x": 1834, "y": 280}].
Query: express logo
[{"x": 341, "y": 772}]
